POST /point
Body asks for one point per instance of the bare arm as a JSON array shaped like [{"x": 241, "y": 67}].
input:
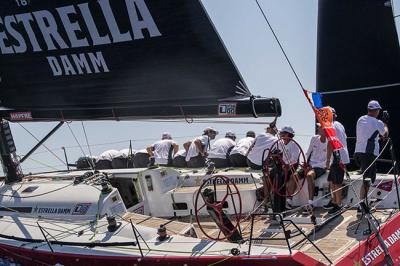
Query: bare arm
[
  {"x": 176, "y": 148},
  {"x": 150, "y": 151},
  {"x": 386, "y": 134},
  {"x": 199, "y": 146},
  {"x": 186, "y": 145},
  {"x": 329, "y": 152}
]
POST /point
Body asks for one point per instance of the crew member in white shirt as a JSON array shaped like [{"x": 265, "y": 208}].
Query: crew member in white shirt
[
  {"x": 163, "y": 150},
  {"x": 369, "y": 128},
  {"x": 337, "y": 167},
  {"x": 219, "y": 152},
  {"x": 141, "y": 159},
  {"x": 316, "y": 157},
  {"x": 291, "y": 154},
  {"x": 238, "y": 154},
  {"x": 197, "y": 149},
  {"x": 263, "y": 142},
  {"x": 179, "y": 159}
]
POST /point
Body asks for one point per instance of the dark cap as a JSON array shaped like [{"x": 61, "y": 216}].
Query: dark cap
[{"x": 251, "y": 134}]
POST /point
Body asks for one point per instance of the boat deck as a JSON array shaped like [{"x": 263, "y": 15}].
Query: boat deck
[{"x": 333, "y": 235}]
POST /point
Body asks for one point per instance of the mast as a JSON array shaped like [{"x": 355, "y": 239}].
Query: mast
[
  {"x": 9, "y": 159},
  {"x": 358, "y": 59}
]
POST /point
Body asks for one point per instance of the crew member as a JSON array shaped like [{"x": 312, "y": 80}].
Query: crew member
[
  {"x": 316, "y": 157},
  {"x": 197, "y": 149},
  {"x": 290, "y": 153},
  {"x": 337, "y": 167},
  {"x": 238, "y": 154},
  {"x": 141, "y": 159},
  {"x": 163, "y": 150},
  {"x": 262, "y": 143},
  {"x": 179, "y": 159},
  {"x": 367, "y": 146},
  {"x": 219, "y": 152}
]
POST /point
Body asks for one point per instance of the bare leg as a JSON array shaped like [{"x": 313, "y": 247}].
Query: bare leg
[
  {"x": 364, "y": 190},
  {"x": 337, "y": 194},
  {"x": 291, "y": 185},
  {"x": 267, "y": 191},
  {"x": 311, "y": 184},
  {"x": 330, "y": 188}
]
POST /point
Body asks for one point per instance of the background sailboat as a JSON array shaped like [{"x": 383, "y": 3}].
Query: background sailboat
[{"x": 359, "y": 60}]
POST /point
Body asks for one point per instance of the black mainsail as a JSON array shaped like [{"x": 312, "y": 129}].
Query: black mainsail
[
  {"x": 358, "y": 60},
  {"x": 119, "y": 59}
]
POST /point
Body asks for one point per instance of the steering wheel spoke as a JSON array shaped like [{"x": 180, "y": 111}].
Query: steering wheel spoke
[
  {"x": 217, "y": 206},
  {"x": 279, "y": 169}
]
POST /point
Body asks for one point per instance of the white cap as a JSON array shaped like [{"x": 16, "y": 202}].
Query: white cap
[
  {"x": 287, "y": 129},
  {"x": 210, "y": 129},
  {"x": 373, "y": 105},
  {"x": 166, "y": 135}
]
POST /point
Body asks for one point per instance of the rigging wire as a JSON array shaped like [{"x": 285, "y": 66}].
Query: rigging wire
[
  {"x": 44, "y": 165},
  {"x": 89, "y": 161},
  {"x": 280, "y": 45},
  {"x": 344, "y": 186},
  {"x": 139, "y": 140},
  {"x": 37, "y": 195},
  {"x": 42, "y": 144},
  {"x": 86, "y": 137},
  {"x": 76, "y": 139},
  {"x": 360, "y": 89}
]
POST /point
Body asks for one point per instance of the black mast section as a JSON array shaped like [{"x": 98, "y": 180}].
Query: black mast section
[
  {"x": 358, "y": 47},
  {"x": 10, "y": 162}
]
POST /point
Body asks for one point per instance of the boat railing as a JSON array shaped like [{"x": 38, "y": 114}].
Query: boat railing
[{"x": 287, "y": 233}]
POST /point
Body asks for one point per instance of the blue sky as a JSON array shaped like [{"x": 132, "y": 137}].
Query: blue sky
[{"x": 258, "y": 58}]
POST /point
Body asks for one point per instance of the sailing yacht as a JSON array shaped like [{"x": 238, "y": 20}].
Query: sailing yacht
[{"x": 111, "y": 60}]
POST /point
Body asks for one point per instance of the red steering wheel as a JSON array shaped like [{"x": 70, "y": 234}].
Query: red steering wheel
[
  {"x": 278, "y": 171},
  {"x": 207, "y": 198}
]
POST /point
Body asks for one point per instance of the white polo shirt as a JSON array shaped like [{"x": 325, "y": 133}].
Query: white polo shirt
[
  {"x": 220, "y": 148},
  {"x": 366, "y": 126},
  {"x": 193, "y": 151},
  {"x": 161, "y": 150},
  {"x": 261, "y": 143},
  {"x": 243, "y": 145},
  {"x": 291, "y": 152},
  {"x": 341, "y": 135},
  {"x": 317, "y": 152}
]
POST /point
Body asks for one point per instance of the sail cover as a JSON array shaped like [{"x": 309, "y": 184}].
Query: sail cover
[
  {"x": 116, "y": 59},
  {"x": 358, "y": 49}
]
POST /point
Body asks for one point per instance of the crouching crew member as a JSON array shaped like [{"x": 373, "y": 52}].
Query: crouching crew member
[
  {"x": 238, "y": 154},
  {"x": 163, "y": 150},
  {"x": 367, "y": 146},
  {"x": 197, "y": 149},
  {"x": 179, "y": 159},
  {"x": 262, "y": 142},
  {"x": 219, "y": 152}
]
